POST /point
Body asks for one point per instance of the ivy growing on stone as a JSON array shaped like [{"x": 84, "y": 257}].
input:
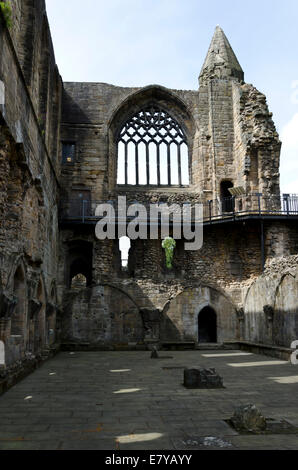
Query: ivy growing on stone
[
  {"x": 168, "y": 245},
  {"x": 7, "y": 13}
]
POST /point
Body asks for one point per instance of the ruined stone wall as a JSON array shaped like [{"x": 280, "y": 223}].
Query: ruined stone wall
[
  {"x": 271, "y": 306},
  {"x": 92, "y": 115},
  {"x": 228, "y": 268},
  {"x": 121, "y": 314},
  {"x": 231, "y": 138},
  {"x": 230, "y": 134},
  {"x": 257, "y": 145},
  {"x": 229, "y": 260},
  {"x": 29, "y": 185},
  {"x": 216, "y": 121},
  {"x": 31, "y": 37},
  {"x": 281, "y": 240}
]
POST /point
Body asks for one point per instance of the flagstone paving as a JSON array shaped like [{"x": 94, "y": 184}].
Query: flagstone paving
[{"x": 127, "y": 401}]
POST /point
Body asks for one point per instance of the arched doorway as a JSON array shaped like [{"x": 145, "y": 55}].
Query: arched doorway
[{"x": 207, "y": 326}]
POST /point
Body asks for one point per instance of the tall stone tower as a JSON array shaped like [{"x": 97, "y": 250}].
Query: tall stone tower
[{"x": 238, "y": 142}]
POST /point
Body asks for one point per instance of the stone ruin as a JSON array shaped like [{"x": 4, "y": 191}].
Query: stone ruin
[
  {"x": 61, "y": 155},
  {"x": 248, "y": 418}
]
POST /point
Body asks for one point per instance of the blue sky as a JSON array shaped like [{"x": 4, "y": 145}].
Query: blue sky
[{"x": 140, "y": 42}]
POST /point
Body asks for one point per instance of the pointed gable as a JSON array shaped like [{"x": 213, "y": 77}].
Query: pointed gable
[{"x": 221, "y": 61}]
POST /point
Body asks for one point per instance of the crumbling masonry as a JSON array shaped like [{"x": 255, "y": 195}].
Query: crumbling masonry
[{"x": 66, "y": 146}]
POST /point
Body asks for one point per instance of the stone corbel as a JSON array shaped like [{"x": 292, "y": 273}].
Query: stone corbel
[
  {"x": 269, "y": 312},
  {"x": 34, "y": 308},
  {"x": 7, "y": 305}
]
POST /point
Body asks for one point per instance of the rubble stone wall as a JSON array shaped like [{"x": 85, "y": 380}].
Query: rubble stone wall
[{"x": 29, "y": 186}]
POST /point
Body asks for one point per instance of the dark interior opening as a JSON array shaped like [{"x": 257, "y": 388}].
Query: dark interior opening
[
  {"x": 226, "y": 197},
  {"x": 80, "y": 254},
  {"x": 207, "y": 326}
]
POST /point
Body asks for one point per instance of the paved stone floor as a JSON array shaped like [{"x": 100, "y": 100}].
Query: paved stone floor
[{"x": 127, "y": 401}]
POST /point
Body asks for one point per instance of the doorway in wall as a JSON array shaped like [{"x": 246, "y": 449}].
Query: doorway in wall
[
  {"x": 207, "y": 326},
  {"x": 226, "y": 198}
]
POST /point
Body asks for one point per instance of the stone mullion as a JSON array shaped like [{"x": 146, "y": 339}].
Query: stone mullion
[
  {"x": 125, "y": 164},
  {"x": 158, "y": 164},
  {"x": 169, "y": 164},
  {"x": 137, "y": 163},
  {"x": 179, "y": 166},
  {"x": 147, "y": 165}
]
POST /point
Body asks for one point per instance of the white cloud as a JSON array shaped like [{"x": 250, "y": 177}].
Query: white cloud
[{"x": 289, "y": 156}]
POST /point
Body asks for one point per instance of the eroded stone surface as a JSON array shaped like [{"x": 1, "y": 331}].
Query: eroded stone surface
[
  {"x": 198, "y": 377},
  {"x": 249, "y": 418}
]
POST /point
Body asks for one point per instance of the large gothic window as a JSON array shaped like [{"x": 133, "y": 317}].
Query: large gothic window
[{"x": 152, "y": 150}]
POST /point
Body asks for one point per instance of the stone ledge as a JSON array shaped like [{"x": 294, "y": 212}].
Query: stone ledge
[
  {"x": 177, "y": 345},
  {"x": 279, "y": 352},
  {"x": 102, "y": 347}
]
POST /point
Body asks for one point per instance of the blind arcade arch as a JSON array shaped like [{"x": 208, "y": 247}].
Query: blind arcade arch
[{"x": 152, "y": 150}]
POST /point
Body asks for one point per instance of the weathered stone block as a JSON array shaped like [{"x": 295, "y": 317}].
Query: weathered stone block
[
  {"x": 198, "y": 377},
  {"x": 248, "y": 418}
]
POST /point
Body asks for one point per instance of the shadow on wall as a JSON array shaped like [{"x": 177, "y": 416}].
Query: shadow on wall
[
  {"x": 271, "y": 310},
  {"x": 201, "y": 314},
  {"x": 101, "y": 314},
  {"x": 71, "y": 107},
  {"x": 105, "y": 314}
]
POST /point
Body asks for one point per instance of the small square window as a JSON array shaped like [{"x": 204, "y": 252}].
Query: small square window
[{"x": 68, "y": 152}]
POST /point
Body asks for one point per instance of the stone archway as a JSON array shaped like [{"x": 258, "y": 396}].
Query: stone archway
[
  {"x": 152, "y": 95},
  {"x": 102, "y": 314},
  {"x": 180, "y": 317},
  {"x": 207, "y": 325}
]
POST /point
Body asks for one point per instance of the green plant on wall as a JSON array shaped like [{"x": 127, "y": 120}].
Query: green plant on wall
[
  {"x": 168, "y": 245},
  {"x": 7, "y": 13}
]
